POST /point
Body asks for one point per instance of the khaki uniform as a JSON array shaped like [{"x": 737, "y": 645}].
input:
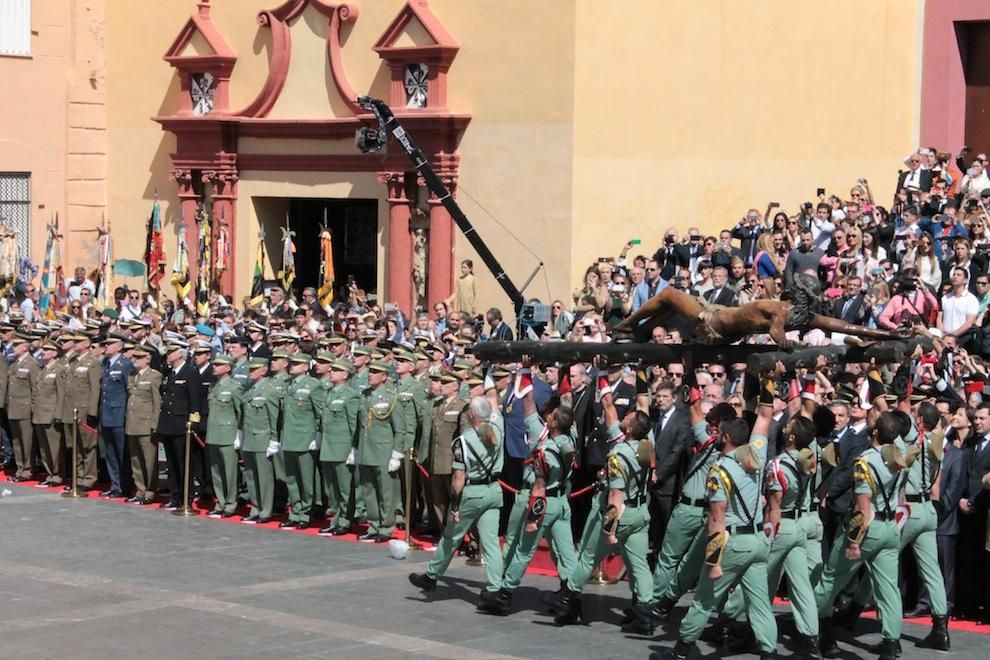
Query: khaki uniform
[
  {"x": 21, "y": 379},
  {"x": 82, "y": 391},
  {"x": 49, "y": 391},
  {"x": 447, "y": 421},
  {"x": 144, "y": 403}
]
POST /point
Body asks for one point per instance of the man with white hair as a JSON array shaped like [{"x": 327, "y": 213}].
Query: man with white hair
[{"x": 475, "y": 497}]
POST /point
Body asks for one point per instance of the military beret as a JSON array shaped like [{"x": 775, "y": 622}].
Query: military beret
[
  {"x": 362, "y": 350},
  {"x": 223, "y": 359},
  {"x": 299, "y": 356},
  {"x": 341, "y": 364},
  {"x": 257, "y": 363},
  {"x": 205, "y": 330},
  {"x": 281, "y": 354},
  {"x": 379, "y": 366},
  {"x": 325, "y": 356}
]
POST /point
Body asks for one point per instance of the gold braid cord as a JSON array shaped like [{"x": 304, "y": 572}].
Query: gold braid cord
[
  {"x": 715, "y": 547},
  {"x": 862, "y": 472},
  {"x": 717, "y": 475}
]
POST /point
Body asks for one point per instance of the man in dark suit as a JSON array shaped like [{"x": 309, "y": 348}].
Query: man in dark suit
[
  {"x": 181, "y": 397},
  {"x": 849, "y": 440},
  {"x": 499, "y": 330},
  {"x": 850, "y": 306},
  {"x": 974, "y": 592},
  {"x": 687, "y": 254},
  {"x": 747, "y": 231},
  {"x": 952, "y": 483},
  {"x": 199, "y": 461},
  {"x": 914, "y": 177},
  {"x": 673, "y": 437},
  {"x": 258, "y": 348},
  {"x": 721, "y": 293}
]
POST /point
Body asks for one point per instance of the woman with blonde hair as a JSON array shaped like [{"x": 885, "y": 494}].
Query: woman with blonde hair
[{"x": 767, "y": 261}]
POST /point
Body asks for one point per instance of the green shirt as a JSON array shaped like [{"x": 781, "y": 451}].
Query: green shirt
[
  {"x": 340, "y": 422},
  {"x": 260, "y": 406},
  {"x": 728, "y": 482},
  {"x": 625, "y": 472},
  {"x": 872, "y": 477},
  {"x": 702, "y": 458},
  {"x": 240, "y": 375},
  {"x": 548, "y": 456},
  {"x": 225, "y": 412},
  {"x": 481, "y": 461},
  {"x": 302, "y": 408},
  {"x": 784, "y": 476},
  {"x": 921, "y": 475}
]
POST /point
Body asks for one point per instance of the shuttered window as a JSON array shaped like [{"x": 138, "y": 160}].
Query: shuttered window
[{"x": 15, "y": 27}]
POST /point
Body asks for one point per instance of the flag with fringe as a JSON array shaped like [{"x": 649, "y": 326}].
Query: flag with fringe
[
  {"x": 104, "y": 286},
  {"x": 258, "y": 283},
  {"x": 203, "y": 276},
  {"x": 47, "y": 292},
  {"x": 180, "y": 269},
  {"x": 325, "y": 292},
  {"x": 288, "y": 272},
  {"x": 154, "y": 255}
]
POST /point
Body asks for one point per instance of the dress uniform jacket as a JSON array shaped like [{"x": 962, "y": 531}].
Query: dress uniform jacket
[
  {"x": 448, "y": 419},
  {"x": 302, "y": 408},
  {"x": 180, "y": 396},
  {"x": 412, "y": 404},
  {"x": 113, "y": 387},
  {"x": 4, "y": 371},
  {"x": 21, "y": 379},
  {"x": 206, "y": 380},
  {"x": 144, "y": 402},
  {"x": 340, "y": 421},
  {"x": 225, "y": 412},
  {"x": 49, "y": 390},
  {"x": 82, "y": 388},
  {"x": 259, "y": 415},
  {"x": 381, "y": 430}
]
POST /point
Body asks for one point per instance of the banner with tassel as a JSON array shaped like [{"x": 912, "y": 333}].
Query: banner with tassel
[
  {"x": 203, "y": 270},
  {"x": 180, "y": 268}
]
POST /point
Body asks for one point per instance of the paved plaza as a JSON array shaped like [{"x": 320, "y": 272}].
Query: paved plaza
[{"x": 98, "y": 579}]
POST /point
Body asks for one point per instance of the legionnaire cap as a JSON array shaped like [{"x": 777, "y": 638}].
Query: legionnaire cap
[
  {"x": 223, "y": 359},
  {"x": 325, "y": 356},
  {"x": 281, "y": 354},
  {"x": 299, "y": 356},
  {"x": 379, "y": 366},
  {"x": 362, "y": 350},
  {"x": 462, "y": 364},
  {"x": 403, "y": 355},
  {"x": 341, "y": 364},
  {"x": 257, "y": 363},
  {"x": 205, "y": 330}
]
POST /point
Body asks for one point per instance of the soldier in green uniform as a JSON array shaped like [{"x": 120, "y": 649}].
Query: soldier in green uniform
[
  {"x": 47, "y": 409},
  {"x": 144, "y": 404},
  {"x": 475, "y": 497},
  {"x": 22, "y": 378},
  {"x": 737, "y": 548},
  {"x": 548, "y": 513},
  {"x": 238, "y": 352},
  {"x": 279, "y": 379},
  {"x": 448, "y": 419},
  {"x": 339, "y": 428},
  {"x": 260, "y": 405},
  {"x": 871, "y": 537},
  {"x": 302, "y": 408},
  {"x": 361, "y": 357},
  {"x": 223, "y": 438},
  {"x": 412, "y": 402},
  {"x": 381, "y": 437},
  {"x": 625, "y": 518},
  {"x": 82, "y": 392}
]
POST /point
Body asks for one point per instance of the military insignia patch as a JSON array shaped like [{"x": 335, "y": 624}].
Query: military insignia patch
[
  {"x": 712, "y": 483},
  {"x": 458, "y": 451},
  {"x": 758, "y": 443},
  {"x": 615, "y": 468}
]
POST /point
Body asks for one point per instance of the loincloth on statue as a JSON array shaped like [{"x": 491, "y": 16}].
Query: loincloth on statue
[{"x": 704, "y": 332}]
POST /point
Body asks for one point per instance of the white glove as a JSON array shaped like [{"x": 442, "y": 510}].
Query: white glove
[
  {"x": 319, "y": 441},
  {"x": 312, "y": 445},
  {"x": 273, "y": 447},
  {"x": 350, "y": 458},
  {"x": 395, "y": 461},
  {"x": 238, "y": 439}
]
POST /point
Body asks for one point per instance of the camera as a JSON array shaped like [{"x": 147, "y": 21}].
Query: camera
[
  {"x": 533, "y": 313},
  {"x": 668, "y": 240}
]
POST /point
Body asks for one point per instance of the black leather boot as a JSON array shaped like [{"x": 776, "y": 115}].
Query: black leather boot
[
  {"x": 423, "y": 581},
  {"x": 826, "y": 632},
  {"x": 552, "y": 600},
  {"x": 878, "y": 648},
  {"x": 811, "y": 648},
  {"x": 680, "y": 651},
  {"x": 570, "y": 608},
  {"x": 848, "y": 617},
  {"x": 719, "y": 633},
  {"x": 662, "y": 608},
  {"x": 938, "y": 638},
  {"x": 642, "y": 622},
  {"x": 498, "y": 603},
  {"x": 888, "y": 649}
]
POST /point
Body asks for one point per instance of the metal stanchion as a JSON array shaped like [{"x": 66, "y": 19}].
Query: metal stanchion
[
  {"x": 598, "y": 577},
  {"x": 186, "y": 508},
  {"x": 410, "y": 457},
  {"x": 74, "y": 490}
]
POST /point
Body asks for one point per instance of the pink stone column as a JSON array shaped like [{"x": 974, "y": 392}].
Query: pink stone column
[
  {"x": 399, "y": 285},
  {"x": 440, "y": 269}
]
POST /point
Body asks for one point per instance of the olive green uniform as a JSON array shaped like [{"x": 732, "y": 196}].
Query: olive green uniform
[
  {"x": 302, "y": 408},
  {"x": 22, "y": 378},
  {"x": 879, "y": 549},
  {"x": 380, "y": 432},
  {"x": 447, "y": 420},
  {"x": 413, "y": 403},
  {"x": 744, "y": 558},
  {"x": 787, "y": 553},
  {"x": 280, "y": 382},
  {"x": 260, "y": 405},
  {"x": 481, "y": 503},
  {"x": 49, "y": 390},
  {"x": 625, "y": 473},
  {"x": 82, "y": 392},
  {"x": 339, "y": 427},
  {"x": 550, "y": 462},
  {"x": 144, "y": 403},
  {"x": 221, "y": 430}
]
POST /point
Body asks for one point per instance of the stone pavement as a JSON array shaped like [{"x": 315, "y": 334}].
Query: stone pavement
[{"x": 95, "y": 579}]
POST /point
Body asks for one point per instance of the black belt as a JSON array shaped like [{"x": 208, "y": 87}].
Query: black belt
[
  {"x": 482, "y": 482},
  {"x": 885, "y": 516},
  {"x": 637, "y": 501},
  {"x": 702, "y": 502},
  {"x": 813, "y": 507},
  {"x": 917, "y": 499},
  {"x": 555, "y": 491},
  {"x": 793, "y": 514},
  {"x": 742, "y": 530}
]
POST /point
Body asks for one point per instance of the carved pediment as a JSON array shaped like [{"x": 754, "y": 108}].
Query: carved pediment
[{"x": 199, "y": 43}]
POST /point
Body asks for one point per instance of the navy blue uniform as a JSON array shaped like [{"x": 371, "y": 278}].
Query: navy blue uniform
[{"x": 113, "y": 406}]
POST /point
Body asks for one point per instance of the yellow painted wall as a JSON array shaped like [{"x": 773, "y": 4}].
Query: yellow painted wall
[
  {"x": 592, "y": 123},
  {"x": 721, "y": 106}
]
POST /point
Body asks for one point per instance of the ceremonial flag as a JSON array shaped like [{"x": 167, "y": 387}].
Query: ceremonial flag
[
  {"x": 258, "y": 283},
  {"x": 203, "y": 279},
  {"x": 104, "y": 287},
  {"x": 154, "y": 255},
  {"x": 180, "y": 269},
  {"x": 325, "y": 292},
  {"x": 47, "y": 281},
  {"x": 288, "y": 272},
  {"x": 221, "y": 260},
  {"x": 8, "y": 259},
  {"x": 61, "y": 290}
]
